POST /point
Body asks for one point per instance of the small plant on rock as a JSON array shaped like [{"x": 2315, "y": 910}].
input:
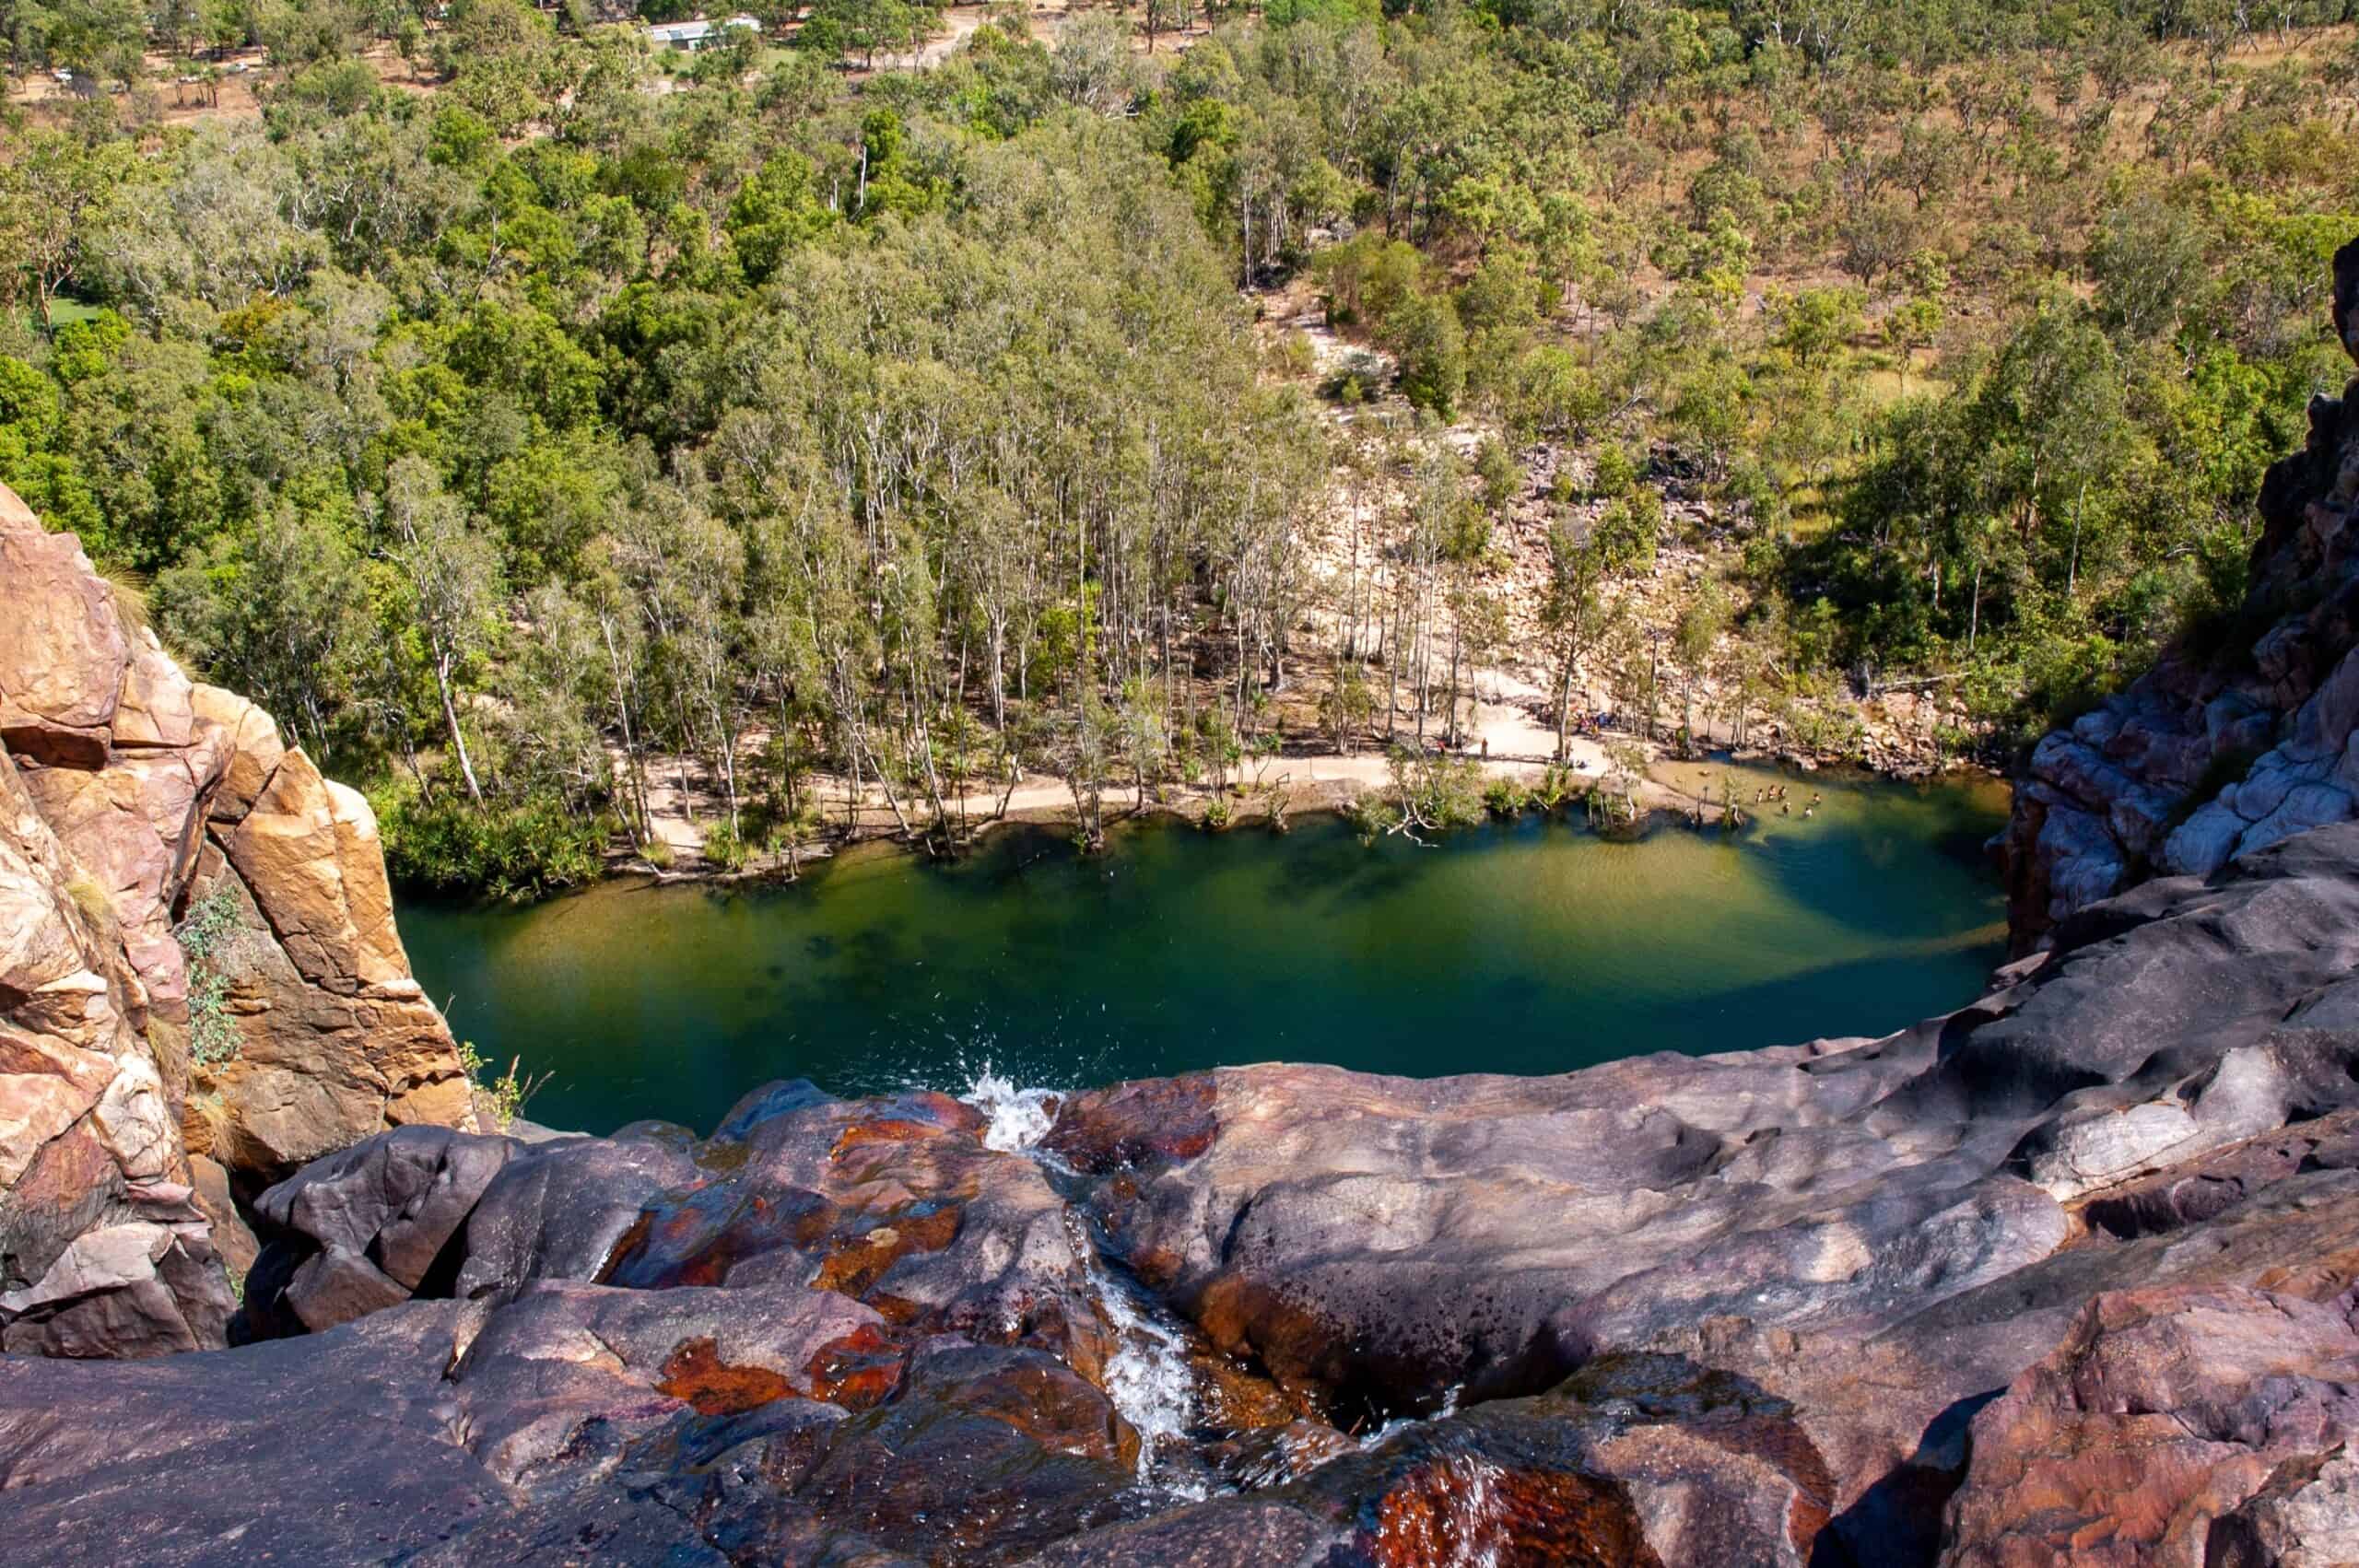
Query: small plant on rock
[
  {"x": 91, "y": 900},
  {"x": 210, "y": 937},
  {"x": 504, "y": 1097}
]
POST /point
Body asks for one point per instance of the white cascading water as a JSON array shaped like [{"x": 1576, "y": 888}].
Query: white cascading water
[
  {"x": 1019, "y": 1117},
  {"x": 1379, "y": 1436},
  {"x": 1147, "y": 1378},
  {"x": 1469, "y": 1529}
]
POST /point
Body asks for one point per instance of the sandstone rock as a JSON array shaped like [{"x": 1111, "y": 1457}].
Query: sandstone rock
[
  {"x": 307, "y": 851},
  {"x": 209, "y": 1432},
  {"x": 34, "y": 1109},
  {"x": 316, "y": 1070},
  {"x": 335, "y": 1286},
  {"x": 2306, "y": 1516},
  {"x": 232, "y": 1237},
  {"x": 129, "y": 1290},
  {"x": 62, "y": 647},
  {"x": 557, "y": 1211},
  {"x": 2163, "y": 1413},
  {"x": 120, "y": 781},
  {"x": 397, "y": 1199},
  {"x": 2203, "y": 843},
  {"x": 255, "y": 750},
  {"x": 153, "y": 708}
]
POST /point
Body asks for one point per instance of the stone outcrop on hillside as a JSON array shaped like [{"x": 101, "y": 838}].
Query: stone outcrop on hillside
[
  {"x": 2072, "y": 1273},
  {"x": 127, "y": 793},
  {"x": 2220, "y": 750}
]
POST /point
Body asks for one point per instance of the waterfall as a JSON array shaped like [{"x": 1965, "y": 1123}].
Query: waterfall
[{"x": 1148, "y": 1377}]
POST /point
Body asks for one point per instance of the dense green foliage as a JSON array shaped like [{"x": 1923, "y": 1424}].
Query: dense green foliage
[
  {"x": 508, "y": 428},
  {"x": 523, "y": 850}
]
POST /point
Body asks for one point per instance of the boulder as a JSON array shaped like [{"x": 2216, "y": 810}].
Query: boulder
[
  {"x": 363, "y": 1230},
  {"x": 255, "y": 751},
  {"x": 396, "y": 1199},
  {"x": 307, "y": 851},
  {"x": 61, "y": 645}
]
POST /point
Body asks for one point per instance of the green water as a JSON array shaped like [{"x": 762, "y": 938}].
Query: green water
[{"x": 1535, "y": 947}]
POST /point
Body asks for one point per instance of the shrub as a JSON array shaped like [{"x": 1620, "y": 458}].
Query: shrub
[
  {"x": 1371, "y": 816},
  {"x": 1505, "y": 797},
  {"x": 506, "y": 1095},
  {"x": 1217, "y": 815},
  {"x": 724, "y": 848},
  {"x": 209, "y": 937},
  {"x": 1502, "y": 476},
  {"x": 1424, "y": 332},
  {"x": 1556, "y": 786},
  {"x": 514, "y": 852},
  {"x": 1294, "y": 356},
  {"x": 1616, "y": 472}
]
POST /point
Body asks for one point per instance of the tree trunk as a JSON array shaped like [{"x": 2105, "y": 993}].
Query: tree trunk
[
  {"x": 1563, "y": 707},
  {"x": 458, "y": 737},
  {"x": 1974, "y": 619}
]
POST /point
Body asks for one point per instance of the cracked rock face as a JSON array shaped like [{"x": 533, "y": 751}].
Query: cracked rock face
[
  {"x": 2069, "y": 1274},
  {"x": 2209, "y": 756},
  {"x": 127, "y": 791}
]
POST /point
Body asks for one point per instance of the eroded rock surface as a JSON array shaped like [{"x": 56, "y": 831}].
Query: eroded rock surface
[
  {"x": 2218, "y": 750},
  {"x": 2180, "y": 1424},
  {"x": 1896, "y": 1301},
  {"x": 127, "y": 793}
]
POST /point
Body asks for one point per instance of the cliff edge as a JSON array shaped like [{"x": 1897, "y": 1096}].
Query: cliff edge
[
  {"x": 133, "y": 1094},
  {"x": 2069, "y": 1275}
]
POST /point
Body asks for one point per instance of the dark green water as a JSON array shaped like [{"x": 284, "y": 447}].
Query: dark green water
[{"x": 1529, "y": 948}]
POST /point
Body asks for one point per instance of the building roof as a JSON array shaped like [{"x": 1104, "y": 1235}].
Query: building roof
[{"x": 689, "y": 32}]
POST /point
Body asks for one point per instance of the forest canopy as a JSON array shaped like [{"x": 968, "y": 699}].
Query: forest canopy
[{"x": 516, "y": 410}]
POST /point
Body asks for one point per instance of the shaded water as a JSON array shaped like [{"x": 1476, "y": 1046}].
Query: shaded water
[{"x": 1533, "y": 947}]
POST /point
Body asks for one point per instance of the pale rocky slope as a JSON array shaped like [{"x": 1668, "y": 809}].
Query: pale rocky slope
[{"x": 127, "y": 791}]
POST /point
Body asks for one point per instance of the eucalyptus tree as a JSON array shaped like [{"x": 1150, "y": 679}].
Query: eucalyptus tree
[{"x": 452, "y": 572}]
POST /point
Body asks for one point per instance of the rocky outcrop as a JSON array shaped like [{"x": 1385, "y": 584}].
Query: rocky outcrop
[
  {"x": 2184, "y": 1424},
  {"x": 2069, "y": 1274},
  {"x": 129, "y": 794},
  {"x": 2238, "y": 738},
  {"x": 101, "y": 1245}
]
